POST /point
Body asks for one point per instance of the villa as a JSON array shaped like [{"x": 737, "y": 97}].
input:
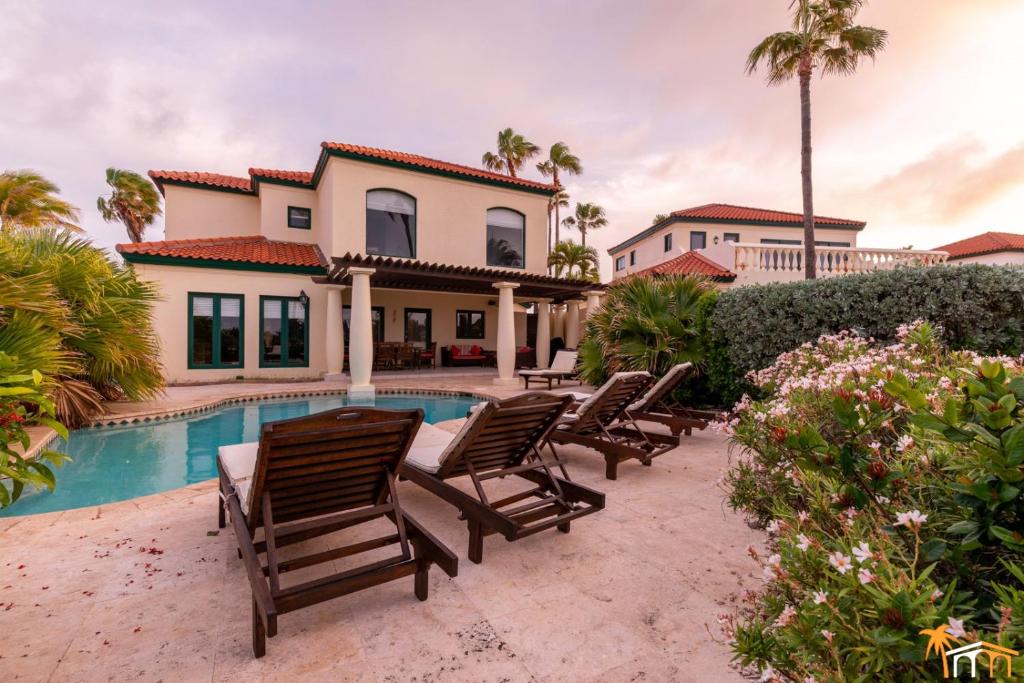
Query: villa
[
  {"x": 992, "y": 248},
  {"x": 298, "y": 274},
  {"x": 737, "y": 245}
]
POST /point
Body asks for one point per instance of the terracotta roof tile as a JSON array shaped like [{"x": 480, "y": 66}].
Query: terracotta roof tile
[
  {"x": 201, "y": 178},
  {"x": 985, "y": 243},
  {"x": 690, "y": 263},
  {"x": 244, "y": 249},
  {"x": 434, "y": 164},
  {"x": 732, "y": 212},
  {"x": 304, "y": 177}
]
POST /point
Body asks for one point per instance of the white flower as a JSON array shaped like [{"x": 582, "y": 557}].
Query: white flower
[
  {"x": 865, "y": 576},
  {"x": 767, "y": 675},
  {"x": 937, "y": 594},
  {"x": 841, "y": 562},
  {"x": 803, "y": 516},
  {"x": 904, "y": 442},
  {"x": 773, "y": 527},
  {"x": 862, "y": 552},
  {"x": 827, "y": 634},
  {"x": 913, "y": 519},
  {"x": 804, "y": 542},
  {"x": 956, "y": 628},
  {"x": 820, "y": 597},
  {"x": 874, "y": 445}
]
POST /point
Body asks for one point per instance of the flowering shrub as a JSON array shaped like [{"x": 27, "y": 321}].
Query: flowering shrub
[
  {"x": 21, "y": 403},
  {"x": 889, "y": 479}
]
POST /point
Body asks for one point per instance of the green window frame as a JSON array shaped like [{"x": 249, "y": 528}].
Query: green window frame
[
  {"x": 731, "y": 237},
  {"x": 297, "y": 215},
  {"x": 216, "y": 331},
  {"x": 428, "y": 327},
  {"x": 285, "y": 343},
  {"x": 376, "y": 331},
  {"x": 464, "y": 322}
]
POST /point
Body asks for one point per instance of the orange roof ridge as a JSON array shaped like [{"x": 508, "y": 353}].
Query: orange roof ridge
[
  {"x": 689, "y": 263},
  {"x": 254, "y": 249},
  {"x": 985, "y": 243}
]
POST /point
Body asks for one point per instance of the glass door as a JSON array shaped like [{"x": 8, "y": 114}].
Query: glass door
[{"x": 417, "y": 326}]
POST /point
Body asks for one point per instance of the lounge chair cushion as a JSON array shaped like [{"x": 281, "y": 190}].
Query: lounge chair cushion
[
  {"x": 239, "y": 463},
  {"x": 670, "y": 378},
  {"x": 564, "y": 361},
  {"x": 584, "y": 408},
  {"x": 432, "y": 446}
]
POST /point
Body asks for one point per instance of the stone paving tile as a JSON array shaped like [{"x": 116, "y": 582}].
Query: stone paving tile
[{"x": 631, "y": 593}]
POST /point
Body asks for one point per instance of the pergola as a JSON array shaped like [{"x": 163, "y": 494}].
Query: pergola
[{"x": 356, "y": 271}]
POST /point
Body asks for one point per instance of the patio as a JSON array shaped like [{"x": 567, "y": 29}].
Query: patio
[{"x": 146, "y": 589}]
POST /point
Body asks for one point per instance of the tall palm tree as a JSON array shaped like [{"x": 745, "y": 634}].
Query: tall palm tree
[
  {"x": 28, "y": 200},
  {"x": 559, "y": 159},
  {"x": 559, "y": 200},
  {"x": 588, "y": 217},
  {"x": 513, "y": 151},
  {"x": 573, "y": 260},
  {"x": 823, "y": 37},
  {"x": 134, "y": 201}
]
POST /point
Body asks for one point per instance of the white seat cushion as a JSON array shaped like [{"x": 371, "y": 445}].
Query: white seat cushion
[
  {"x": 564, "y": 361},
  {"x": 427, "y": 448},
  {"x": 239, "y": 464},
  {"x": 577, "y": 396}
]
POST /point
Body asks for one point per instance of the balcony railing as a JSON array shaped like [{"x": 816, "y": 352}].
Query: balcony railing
[{"x": 785, "y": 258}]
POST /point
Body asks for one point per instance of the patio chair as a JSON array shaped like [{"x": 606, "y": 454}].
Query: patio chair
[
  {"x": 602, "y": 422},
  {"x": 562, "y": 367},
  {"x": 428, "y": 356},
  {"x": 315, "y": 475},
  {"x": 657, "y": 404},
  {"x": 407, "y": 356},
  {"x": 499, "y": 439}
]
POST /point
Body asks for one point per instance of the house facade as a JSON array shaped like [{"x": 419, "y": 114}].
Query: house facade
[
  {"x": 295, "y": 274},
  {"x": 737, "y": 245},
  {"x": 989, "y": 248}
]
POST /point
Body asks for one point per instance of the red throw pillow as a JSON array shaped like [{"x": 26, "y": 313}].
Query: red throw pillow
[
  {"x": 475, "y": 351},
  {"x": 523, "y": 349},
  {"x": 455, "y": 351}
]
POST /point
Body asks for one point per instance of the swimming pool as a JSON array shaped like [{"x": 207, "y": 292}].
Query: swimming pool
[{"x": 117, "y": 463}]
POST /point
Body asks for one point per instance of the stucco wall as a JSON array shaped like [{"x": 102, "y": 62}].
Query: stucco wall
[
  {"x": 650, "y": 251},
  {"x": 191, "y": 212},
  {"x": 1002, "y": 258},
  {"x": 451, "y": 215},
  {"x": 274, "y": 201}
]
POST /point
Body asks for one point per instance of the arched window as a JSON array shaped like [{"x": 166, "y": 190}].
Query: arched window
[
  {"x": 390, "y": 223},
  {"x": 506, "y": 238}
]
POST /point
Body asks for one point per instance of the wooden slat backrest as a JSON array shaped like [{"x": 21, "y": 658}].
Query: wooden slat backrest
[
  {"x": 612, "y": 404},
  {"x": 329, "y": 462},
  {"x": 505, "y": 433}
]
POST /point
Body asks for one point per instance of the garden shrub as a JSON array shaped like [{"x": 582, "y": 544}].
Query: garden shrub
[
  {"x": 981, "y": 308},
  {"x": 889, "y": 479}
]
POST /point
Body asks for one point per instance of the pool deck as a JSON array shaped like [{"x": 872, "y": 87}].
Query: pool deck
[{"x": 147, "y": 589}]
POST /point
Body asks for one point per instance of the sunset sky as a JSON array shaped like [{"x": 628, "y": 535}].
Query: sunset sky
[{"x": 926, "y": 145}]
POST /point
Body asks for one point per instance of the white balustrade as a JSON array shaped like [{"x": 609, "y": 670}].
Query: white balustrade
[{"x": 770, "y": 262}]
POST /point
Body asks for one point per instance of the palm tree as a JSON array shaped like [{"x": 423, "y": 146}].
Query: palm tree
[
  {"x": 569, "y": 256},
  {"x": 938, "y": 642},
  {"x": 559, "y": 200},
  {"x": 513, "y": 151},
  {"x": 134, "y": 201},
  {"x": 28, "y": 200},
  {"x": 823, "y": 37},
  {"x": 588, "y": 217},
  {"x": 645, "y": 323},
  {"x": 659, "y": 218},
  {"x": 559, "y": 159}
]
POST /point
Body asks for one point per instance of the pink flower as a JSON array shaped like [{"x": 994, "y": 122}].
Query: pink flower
[
  {"x": 956, "y": 628},
  {"x": 904, "y": 442},
  {"x": 786, "y": 617},
  {"x": 841, "y": 562},
  {"x": 865, "y": 576},
  {"x": 828, "y": 635},
  {"x": 773, "y": 527},
  {"x": 912, "y": 519},
  {"x": 820, "y": 597},
  {"x": 862, "y": 552},
  {"x": 803, "y": 542},
  {"x": 803, "y": 516},
  {"x": 936, "y": 594}
]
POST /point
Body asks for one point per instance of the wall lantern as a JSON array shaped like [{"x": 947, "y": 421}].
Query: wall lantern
[{"x": 303, "y": 298}]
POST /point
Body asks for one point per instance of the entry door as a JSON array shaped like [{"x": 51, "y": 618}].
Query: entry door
[{"x": 417, "y": 326}]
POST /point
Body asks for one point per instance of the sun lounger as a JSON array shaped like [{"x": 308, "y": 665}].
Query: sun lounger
[
  {"x": 315, "y": 475},
  {"x": 562, "y": 367},
  {"x": 502, "y": 438},
  {"x": 602, "y": 422}
]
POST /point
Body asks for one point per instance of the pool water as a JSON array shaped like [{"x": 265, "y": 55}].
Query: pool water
[{"x": 117, "y": 463}]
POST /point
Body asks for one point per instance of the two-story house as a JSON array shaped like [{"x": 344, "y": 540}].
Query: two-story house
[
  {"x": 735, "y": 245},
  {"x": 285, "y": 274}
]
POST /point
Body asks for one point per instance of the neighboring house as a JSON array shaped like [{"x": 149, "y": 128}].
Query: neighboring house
[
  {"x": 991, "y": 248},
  {"x": 278, "y": 274},
  {"x": 745, "y": 245}
]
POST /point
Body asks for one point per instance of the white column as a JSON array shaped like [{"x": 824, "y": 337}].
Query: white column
[
  {"x": 543, "y": 333},
  {"x": 335, "y": 335},
  {"x": 559, "y": 322},
  {"x": 360, "y": 346},
  {"x": 506, "y": 334},
  {"x": 572, "y": 324},
  {"x": 593, "y": 301}
]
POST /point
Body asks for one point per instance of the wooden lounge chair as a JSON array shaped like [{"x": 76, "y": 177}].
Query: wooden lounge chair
[
  {"x": 499, "y": 439},
  {"x": 315, "y": 475},
  {"x": 562, "y": 367},
  {"x": 602, "y": 422},
  {"x": 657, "y": 404}
]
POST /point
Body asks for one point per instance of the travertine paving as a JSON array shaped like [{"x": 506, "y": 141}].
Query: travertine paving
[{"x": 148, "y": 590}]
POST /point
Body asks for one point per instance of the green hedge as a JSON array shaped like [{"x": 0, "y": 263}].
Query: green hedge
[{"x": 980, "y": 308}]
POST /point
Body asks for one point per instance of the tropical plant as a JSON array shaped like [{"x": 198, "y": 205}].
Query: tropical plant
[
  {"x": 22, "y": 403},
  {"x": 28, "y": 200},
  {"x": 889, "y": 480},
  {"x": 560, "y": 159},
  {"x": 557, "y": 201},
  {"x": 572, "y": 260},
  {"x": 645, "y": 323},
  {"x": 513, "y": 151},
  {"x": 823, "y": 37},
  {"x": 80, "y": 318},
  {"x": 134, "y": 201},
  {"x": 588, "y": 217}
]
